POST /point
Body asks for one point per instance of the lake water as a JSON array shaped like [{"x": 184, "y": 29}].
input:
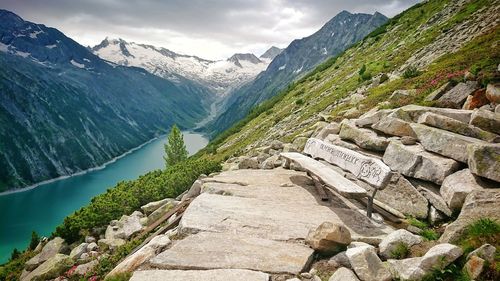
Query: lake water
[{"x": 43, "y": 208}]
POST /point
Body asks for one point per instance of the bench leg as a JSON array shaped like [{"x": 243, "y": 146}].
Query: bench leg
[{"x": 369, "y": 207}]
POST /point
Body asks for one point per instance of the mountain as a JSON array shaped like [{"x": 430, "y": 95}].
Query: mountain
[
  {"x": 64, "y": 110},
  {"x": 298, "y": 58},
  {"x": 220, "y": 76},
  {"x": 271, "y": 53}
]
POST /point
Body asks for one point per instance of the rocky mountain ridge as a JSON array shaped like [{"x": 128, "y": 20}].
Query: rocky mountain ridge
[
  {"x": 220, "y": 76},
  {"x": 64, "y": 110}
]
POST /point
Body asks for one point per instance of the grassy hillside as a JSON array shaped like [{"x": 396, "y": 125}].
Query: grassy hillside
[{"x": 417, "y": 49}]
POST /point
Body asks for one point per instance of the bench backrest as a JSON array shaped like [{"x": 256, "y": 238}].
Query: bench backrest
[{"x": 368, "y": 169}]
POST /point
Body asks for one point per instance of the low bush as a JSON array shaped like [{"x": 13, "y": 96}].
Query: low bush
[{"x": 410, "y": 72}]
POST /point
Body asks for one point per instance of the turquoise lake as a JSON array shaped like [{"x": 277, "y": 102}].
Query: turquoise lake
[{"x": 43, "y": 208}]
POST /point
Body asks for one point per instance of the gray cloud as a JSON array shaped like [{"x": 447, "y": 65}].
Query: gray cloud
[{"x": 207, "y": 28}]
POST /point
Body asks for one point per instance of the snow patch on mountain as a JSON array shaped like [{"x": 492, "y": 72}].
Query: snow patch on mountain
[{"x": 221, "y": 76}]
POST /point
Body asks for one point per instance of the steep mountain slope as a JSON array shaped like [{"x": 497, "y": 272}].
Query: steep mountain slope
[
  {"x": 298, "y": 58},
  {"x": 64, "y": 110},
  {"x": 271, "y": 53},
  {"x": 220, "y": 76},
  {"x": 423, "y": 48}
]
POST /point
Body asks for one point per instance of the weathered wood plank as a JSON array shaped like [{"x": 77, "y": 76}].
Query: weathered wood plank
[
  {"x": 328, "y": 176},
  {"x": 368, "y": 169}
]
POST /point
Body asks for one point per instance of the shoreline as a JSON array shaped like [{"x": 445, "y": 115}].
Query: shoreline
[{"x": 104, "y": 165}]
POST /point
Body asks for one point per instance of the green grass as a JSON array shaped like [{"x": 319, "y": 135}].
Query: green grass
[
  {"x": 400, "y": 252},
  {"x": 418, "y": 223}
]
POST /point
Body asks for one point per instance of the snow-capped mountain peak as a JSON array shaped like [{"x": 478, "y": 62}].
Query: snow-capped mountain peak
[
  {"x": 270, "y": 54},
  {"x": 221, "y": 75}
]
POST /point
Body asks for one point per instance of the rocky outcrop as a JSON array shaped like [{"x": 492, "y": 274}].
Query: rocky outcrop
[
  {"x": 343, "y": 274},
  {"x": 486, "y": 120},
  {"x": 367, "y": 264},
  {"x": 362, "y": 137},
  {"x": 458, "y": 94},
  {"x": 329, "y": 238},
  {"x": 478, "y": 204},
  {"x": 399, "y": 237},
  {"x": 200, "y": 275},
  {"x": 457, "y": 186},
  {"x": 50, "y": 268},
  {"x": 51, "y": 249},
  {"x": 484, "y": 160}
]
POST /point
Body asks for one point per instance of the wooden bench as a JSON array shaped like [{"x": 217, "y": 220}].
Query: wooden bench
[{"x": 371, "y": 170}]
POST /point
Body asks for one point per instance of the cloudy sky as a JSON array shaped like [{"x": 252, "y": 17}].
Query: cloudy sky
[{"x": 212, "y": 29}]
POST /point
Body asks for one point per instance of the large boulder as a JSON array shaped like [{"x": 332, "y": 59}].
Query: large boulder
[
  {"x": 399, "y": 237},
  {"x": 136, "y": 259},
  {"x": 457, "y": 186},
  {"x": 249, "y": 163},
  {"x": 152, "y": 206},
  {"x": 493, "y": 93},
  {"x": 443, "y": 142},
  {"x": 412, "y": 112},
  {"x": 51, "y": 268},
  {"x": 194, "y": 190},
  {"x": 125, "y": 227},
  {"x": 394, "y": 126},
  {"x": 486, "y": 252},
  {"x": 436, "y": 94},
  {"x": 362, "y": 137},
  {"x": 86, "y": 268},
  {"x": 343, "y": 274},
  {"x": 431, "y": 192},
  {"x": 457, "y": 95},
  {"x": 478, "y": 204},
  {"x": 331, "y": 128},
  {"x": 453, "y": 125},
  {"x": 414, "y": 161},
  {"x": 329, "y": 238},
  {"x": 78, "y": 251},
  {"x": 486, "y": 120},
  {"x": 110, "y": 244},
  {"x": 53, "y": 247},
  {"x": 438, "y": 257},
  {"x": 199, "y": 275},
  {"x": 160, "y": 212},
  {"x": 474, "y": 267},
  {"x": 484, "y": 160},
  {"x": 367, "y": 264},
  {"x": 371, "y": 117}
]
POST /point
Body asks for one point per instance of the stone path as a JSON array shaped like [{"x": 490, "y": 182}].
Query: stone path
[{"x": 253, "y": 219}]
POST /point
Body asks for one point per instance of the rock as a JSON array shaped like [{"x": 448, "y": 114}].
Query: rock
[
  {"x": 401, "y": 195},
  {"x": 493, "y": 93},
  {"x": 299, "y": 143},
  {"x": 271, "y": 162},
  {"x": 207, "y": 250},
  {"x": 486, "y": 120},
  {"x": 133, "y": 261},
  {"x": 110, "y": 244},
  {"x": 352, "y": 113},
  {"x": 329, "y": 238},
  {"x": 401, "y": 94},
  {"x": 497, "y": 108},
  {"x": 89, "y": 239},
  {"x": 340, "y": 260},
  {"x": 486, "y": 252},
  {"x": 92, "y": 246},
  {"x": 438, "y": 257},
  {"x": 343, "y": 274},
  {"x": 446, "y": 143},
  {"x": 194, "y": 190},
  {"x": 394, "y": 126},
  {"x": 478, "y": 204},
  {"x": 84, "y": 257},
  {"x": 78, "y": 251},
  {"x": 276, "y": 144},
  {"x": 476, "y": 100},
  {"x": 50, "y": 268},
  {"x": 474, "y": 267},
  {"x": 455, "y": 126},
  {"x": 152, "y": 206},
  {"x": 414, "y": 161},
  {"x": 457, "y": 186},
  {"x": 413, "y": 112},
  {"x": 200, "y": 275},
  {"x": 435, "y": 216},
  {"x": 332, "y": 128},
  {"x": 335, "y": 139},
  {"x": 362, "y": 137},
  {"x": 390, "y": 243},
  {"x": 484, "y": 160},
  {"x": 288, "y": 147},
  {"x": 431, "y": 192},
  {"x": 84, "y": 269},
  {"x": 371, "y": 117},
  {"x": 414, "y": 229},
  {"x": 160, "y": 212},
  {"x": 53, "y": 247},
  {"x": 367, "y": 264},
  {"x": 249, "y": 163},
  {"x": 457, "y": 95},
  {"x": 407, "y": 140},
  {"x": 306, "y": 275},
  {"x": 436, "y": 94}
]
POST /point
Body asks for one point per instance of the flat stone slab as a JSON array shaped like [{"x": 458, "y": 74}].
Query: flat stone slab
[
  {"x": 415, "y": 111},
  {"x": 366, "y": 168},
  {"x": 199, "y": 275},
  {"x": 207, "y": 250}
]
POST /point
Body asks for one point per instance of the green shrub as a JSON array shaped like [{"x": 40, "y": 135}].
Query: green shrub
[
  {"x": 366, "y": 76},
  {"x": 410, "y": 72},
  {"x": 299, "y": 102},
  {"x": 35, "y": 239},
  {"x": 400, "y": 252},
  {"x": 362, "y": 70},
  {"x": 418, "y": 223},
  {"x": 383, "y": 78},
  {"x": 429, "y": 234}
]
